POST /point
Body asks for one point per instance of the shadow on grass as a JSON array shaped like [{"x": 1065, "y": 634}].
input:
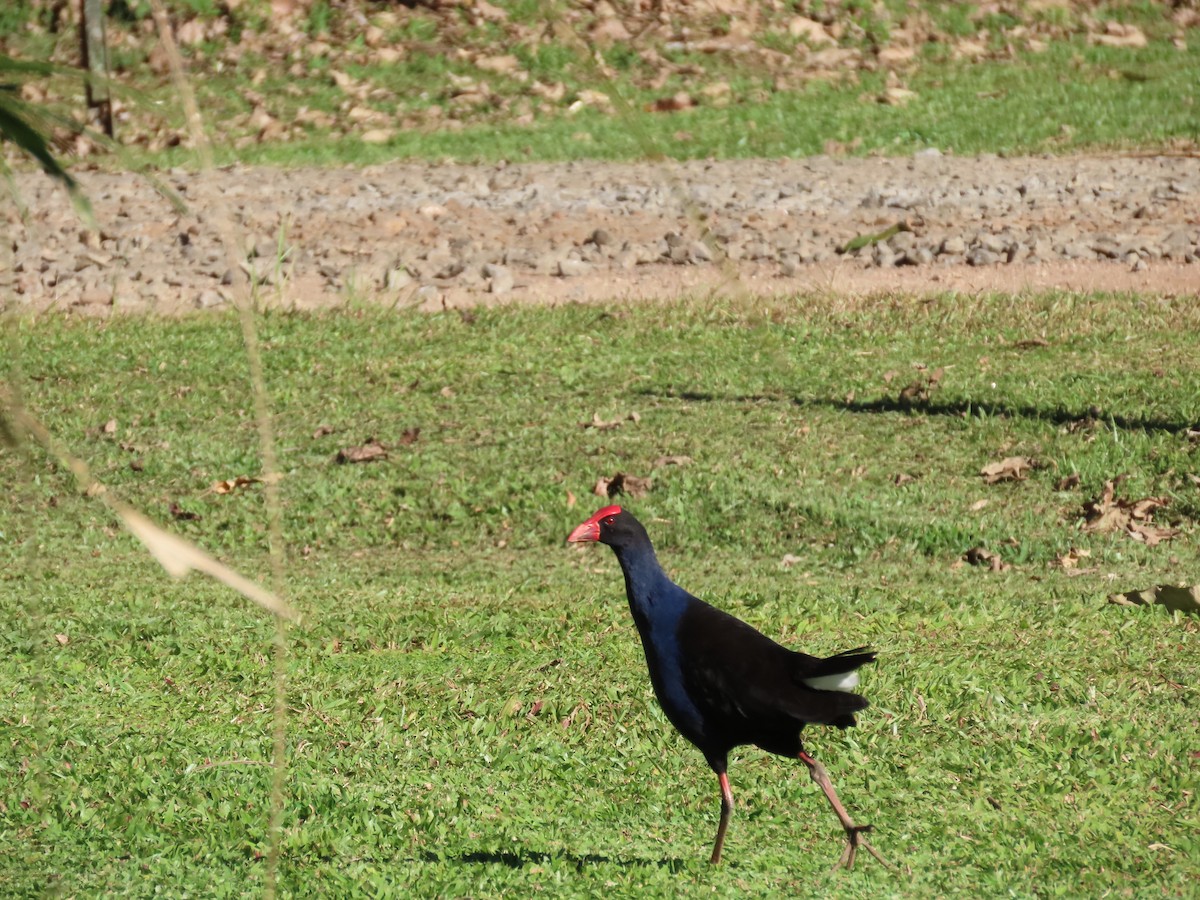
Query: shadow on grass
[
  {"x": 518, "y": 859},
  {"x": 957, "y": 409}
]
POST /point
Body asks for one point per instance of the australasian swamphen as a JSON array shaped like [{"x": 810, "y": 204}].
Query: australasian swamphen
[{"x": 722, "y": 683}]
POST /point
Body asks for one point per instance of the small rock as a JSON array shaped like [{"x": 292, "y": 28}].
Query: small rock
[
  {"x": 981, "y": 257},
  {"x": 700, "y": 252},
  {"x": 917, "y": 256},
  {"x": 600, "y": 238},
  {"x": 397, "y": 278},
  {"x": 210, "y": 299},
  {"x": 571, "y": 268},
  {"x": 500, "y": 279},
  {"x": 954, "y": 246}
]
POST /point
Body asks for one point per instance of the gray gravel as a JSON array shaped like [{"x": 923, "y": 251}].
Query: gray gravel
[{"x": 408, "y": 233}]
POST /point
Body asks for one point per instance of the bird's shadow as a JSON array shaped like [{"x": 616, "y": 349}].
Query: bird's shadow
[{"x": 519, "y": 859}]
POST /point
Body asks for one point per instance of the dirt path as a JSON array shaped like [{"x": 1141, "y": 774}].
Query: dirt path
[{"x": 441, "y": 236}]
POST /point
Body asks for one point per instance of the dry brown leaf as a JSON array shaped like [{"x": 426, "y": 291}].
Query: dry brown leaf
[
  {"x": 978, "y": 505},
  {"x": 570, "y": 500},
  {"x": 322, "y": 430},
  {"x": 672, "y": 461},
  {"x": 1070, "y": 559},
  {"x": 1067, "y": 482},
  {"x": 1011, "y": 468},
  {"x": 620, "y": 483},
  {"x": 674, "y": 103},
  {"x": 109, "y": 427},
  {"x": 978, "y": 556},
  {"x": 1183, "y": 599},
  {"x": 903, "y": 478},
  {"x": 230, "y": 485},
  {"x": 62, "y": 639},
  {"x": 178, "y": 512},
  {"x": 1134, "y": 517},
  {"x": 410, "y": 435},
  {"x": 369, "y": 452},
  {"x": 606, "y": 424}
]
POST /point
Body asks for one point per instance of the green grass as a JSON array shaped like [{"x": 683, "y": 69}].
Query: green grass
[{"x": 1025, "y": 737}]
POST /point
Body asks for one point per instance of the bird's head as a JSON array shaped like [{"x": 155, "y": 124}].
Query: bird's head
[{"x": 611, "y": 525}]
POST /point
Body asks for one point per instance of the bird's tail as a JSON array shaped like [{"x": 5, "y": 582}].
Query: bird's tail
[{"x": 836, "y": 677}]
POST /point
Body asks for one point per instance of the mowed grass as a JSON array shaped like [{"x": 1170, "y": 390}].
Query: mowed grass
[{"x": 468, "y": 711}]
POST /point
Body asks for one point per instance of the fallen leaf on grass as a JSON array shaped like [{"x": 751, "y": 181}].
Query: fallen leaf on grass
[
  {"x": 368, "y": 452},
  {"x": 672, "y": 461},
  {"x": 789, "y": 560},
  {"x": 1069, "y": 562},
  {"x": 410, "y": 435},
  {"x": 620, "y": 483},
  {"x": 978, "y": 556},
  {"x": 62, "y": 639},
  {"x": 903, "y": 478},
  {"x": 178, "y": 512},
  {"x": 1067, "y": 482},
  {"x": 1134, "y": 517},
  {"x": 229, "y": 485},
  {"x": 919, "y": 390},
  {"x": 1011, "y": 468},
  {"x": 1183, "y": 599},
  {"x": 1030, "y": 343},
  {"x": 606, "y": 424},
  {"x": 322, "y": 430}
]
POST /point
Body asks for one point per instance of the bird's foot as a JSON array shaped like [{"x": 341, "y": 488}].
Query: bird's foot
[{"x": 854, "y": 840}]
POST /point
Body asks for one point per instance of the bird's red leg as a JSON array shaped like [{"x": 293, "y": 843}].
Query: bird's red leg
[
  {"x": 854, "y": 833},
  {"x": 726, "y": 809}
]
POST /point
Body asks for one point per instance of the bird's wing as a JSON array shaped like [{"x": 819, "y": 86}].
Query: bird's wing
[{"x": 735, "y": 673}]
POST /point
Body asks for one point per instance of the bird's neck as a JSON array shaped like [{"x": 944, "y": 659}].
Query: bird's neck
[{"x": 651, "y": 592}]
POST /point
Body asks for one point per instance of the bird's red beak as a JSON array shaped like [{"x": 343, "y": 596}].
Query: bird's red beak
[{"x": 588, "y": 531}]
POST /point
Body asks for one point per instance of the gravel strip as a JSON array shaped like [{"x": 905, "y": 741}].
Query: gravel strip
[{"x": 416, "y": 234}]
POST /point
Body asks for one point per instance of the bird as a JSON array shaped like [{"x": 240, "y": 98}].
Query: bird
[{"x": 724, "y": 684}]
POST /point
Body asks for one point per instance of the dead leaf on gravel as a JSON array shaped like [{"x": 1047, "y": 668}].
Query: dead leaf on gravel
[
  {"x": 369, "y": 452},
  {"x": 229, "y": 485},
  {"x": 978, "y": 556},
  {"x": 1183, "y": 599},
  {"x": 1011, "y": 468},
  {"x": 620, "y": 483}
]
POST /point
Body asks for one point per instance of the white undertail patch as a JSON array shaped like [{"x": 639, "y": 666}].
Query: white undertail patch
[{"x": 842, "y": 681}]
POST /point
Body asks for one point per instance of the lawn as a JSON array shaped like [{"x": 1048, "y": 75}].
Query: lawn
[{"x": 467, "y": 708}]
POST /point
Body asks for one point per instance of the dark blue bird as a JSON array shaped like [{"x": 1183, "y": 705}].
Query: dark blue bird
[{"x": 724, "y": 684}]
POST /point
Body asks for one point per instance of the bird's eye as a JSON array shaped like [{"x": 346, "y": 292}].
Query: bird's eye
[{"x": 609, "y": 520}]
